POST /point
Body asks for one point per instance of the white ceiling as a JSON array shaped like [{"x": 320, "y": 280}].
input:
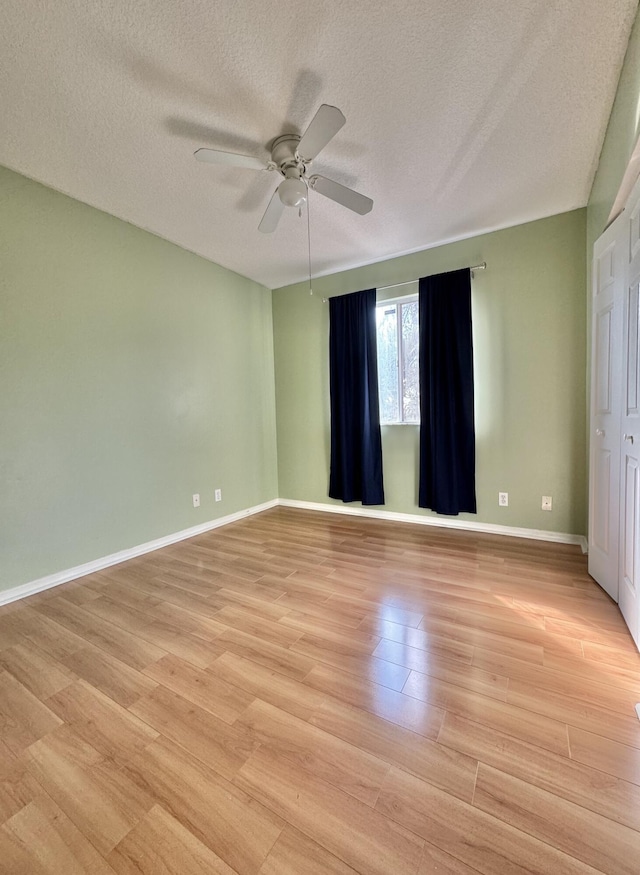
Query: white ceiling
[{"x": 462, "y": 116}]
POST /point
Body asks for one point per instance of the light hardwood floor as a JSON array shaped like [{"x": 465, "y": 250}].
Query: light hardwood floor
[{"x": 303, "y": 693}]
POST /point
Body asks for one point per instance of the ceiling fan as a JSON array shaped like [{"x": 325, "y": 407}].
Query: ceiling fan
[{"x": 291, "y": 156}]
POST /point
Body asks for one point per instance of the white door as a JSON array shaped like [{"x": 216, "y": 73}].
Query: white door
[
  {"x": 630, "y": 428},
  {"x": 609, "y": 263}
]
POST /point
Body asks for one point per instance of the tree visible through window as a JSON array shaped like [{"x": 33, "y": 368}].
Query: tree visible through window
[{"x": 398, "y": 361}]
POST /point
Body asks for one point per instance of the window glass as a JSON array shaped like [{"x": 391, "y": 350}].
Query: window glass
[
  {"x": 388, "y": 387},
  {"x": 410, "y": 350},
  {"x": 398, "y": 361}
]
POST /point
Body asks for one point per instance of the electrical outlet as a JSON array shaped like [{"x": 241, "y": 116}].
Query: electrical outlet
[
  {"x": 503, "y": 499},
  {"x": 547, "y": 502},
  {"x": 218, "y": 494},
  {"x": 196, "y": 499}
]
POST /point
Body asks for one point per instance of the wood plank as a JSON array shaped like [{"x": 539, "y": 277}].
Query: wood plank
[
  {"x": 48, "y": 842},
  {"x": 37, "y": 671},
  {"x": 443, "y": 767},
  {"x": 114, "y": 640},
  {"x": 44, "y": 633},
  {"x": 162, "y": 634},
  {"x": 452, "y": 635},
  {"x": 270, "y": 631},
  {"x": 588, "y": 630},
  {"x": 349, "y": 617},
  {"x": 537, "y": 729},
  {"x": 268, "y": 588},
  {"x": 599, "y": 842},
  {"x": 17, "y": 787},
  {"x": 623, "y": 675},
  {"x": 477, "y": 839},
  {"x": 331, "y": 632},
  {"x": 450, "y": 644},
  {"x": 571, "y": 684},
  {"x": 580, "y": 713},
  {"x": 269, "y": 610},
  {"x": 160, "y": 845},
  {"x": 374, "y": 605},
  {"x": 23, "y": 718},
  {"x": 294, "y": 853},
  {"x": 271, "y": 686},
  {"x": 593, "y": 789},
  {"x": 116, "y": 585},
  {"x": 347, "y": 828},
  {"x": 380, "y": 671},
  {"x": 326, "y": 756},
  {"x": 222, "y": 747},
  {"x": 280, "y": 659},
  {"x": 10, "y": 629},
  {"x": 108, "y": 727},
  {"x": 100, "y": 800},
  {"x": 202, "y": 688},
  {"x": 191, "y": 621},
  {"x": 615, "y": 656},
  {"x": 437, "y": 862},
  {"x": 114, "y": 678},
  {"x": 232, "y": 824},
  {"x": 488, "y": 683},
  {"x": 414, "y": 714},
  {"x": 604, "y": 754}
]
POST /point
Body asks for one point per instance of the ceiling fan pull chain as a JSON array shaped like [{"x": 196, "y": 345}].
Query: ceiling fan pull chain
[{"x": 309, "y": 241}]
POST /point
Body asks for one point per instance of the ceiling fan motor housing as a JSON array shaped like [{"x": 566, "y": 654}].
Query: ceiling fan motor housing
[
  {"x": 284, "y": 154},
  {"x": 293, "y": 190}
]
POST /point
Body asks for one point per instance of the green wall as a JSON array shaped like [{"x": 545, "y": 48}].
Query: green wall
[
  {"x": 619, "y": 143},
  {"x": 621, "y": 137},
  {"x": 132, "y": 374},
  {"x": 529, "y": 354}
]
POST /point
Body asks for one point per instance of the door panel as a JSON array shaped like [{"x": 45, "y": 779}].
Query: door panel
[
  {"x": 631, "y": 350},
  {"x": 630, "y": 434},
  {"x": 602, "y": 497},
  {"x": 603, "y": 361},
  {"x": 610, "y": 256},
  {"x": 629, "y": 551}
]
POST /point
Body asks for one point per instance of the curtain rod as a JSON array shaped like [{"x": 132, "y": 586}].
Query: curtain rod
[
  {"x": 482, "y": 266},
  {"x": 411, "y": 282}
]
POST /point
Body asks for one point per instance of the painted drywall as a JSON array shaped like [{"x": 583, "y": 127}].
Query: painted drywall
[
  {"x": 619, "y": 143},
  {"x": 529, "y": 358},
  {"x": 620, "y": 139},
  {"x": 132, "y": 375}
]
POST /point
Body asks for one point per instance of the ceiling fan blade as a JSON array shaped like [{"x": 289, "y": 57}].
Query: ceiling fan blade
[
  {"x": 341, "y": 194},
  {"x": 324, "y": 126},
  {"x": 272, "y": 214},
  {"x": 229, "y": 159}
]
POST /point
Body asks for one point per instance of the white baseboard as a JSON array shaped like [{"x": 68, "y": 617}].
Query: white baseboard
[
  {"x": 441, "y": 522},
  {"x": 584, "y": 544},
  {"x": 51, "y": 580},
  {"x": 35, "y": 586}
]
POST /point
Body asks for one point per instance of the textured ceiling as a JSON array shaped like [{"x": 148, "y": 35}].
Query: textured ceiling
[{"x": 462, "y": 116}]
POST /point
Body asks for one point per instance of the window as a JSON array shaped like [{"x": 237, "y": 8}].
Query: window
[{"x": 397, "y": 323}]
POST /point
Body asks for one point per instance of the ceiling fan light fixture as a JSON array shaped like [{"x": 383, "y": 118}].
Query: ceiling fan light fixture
[{"x": 293, "y": 192}]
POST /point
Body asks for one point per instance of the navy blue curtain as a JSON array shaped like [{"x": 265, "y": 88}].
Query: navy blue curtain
[
  {"x": 356, "y": 446},
  {"x": 447, "y": 434}
]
